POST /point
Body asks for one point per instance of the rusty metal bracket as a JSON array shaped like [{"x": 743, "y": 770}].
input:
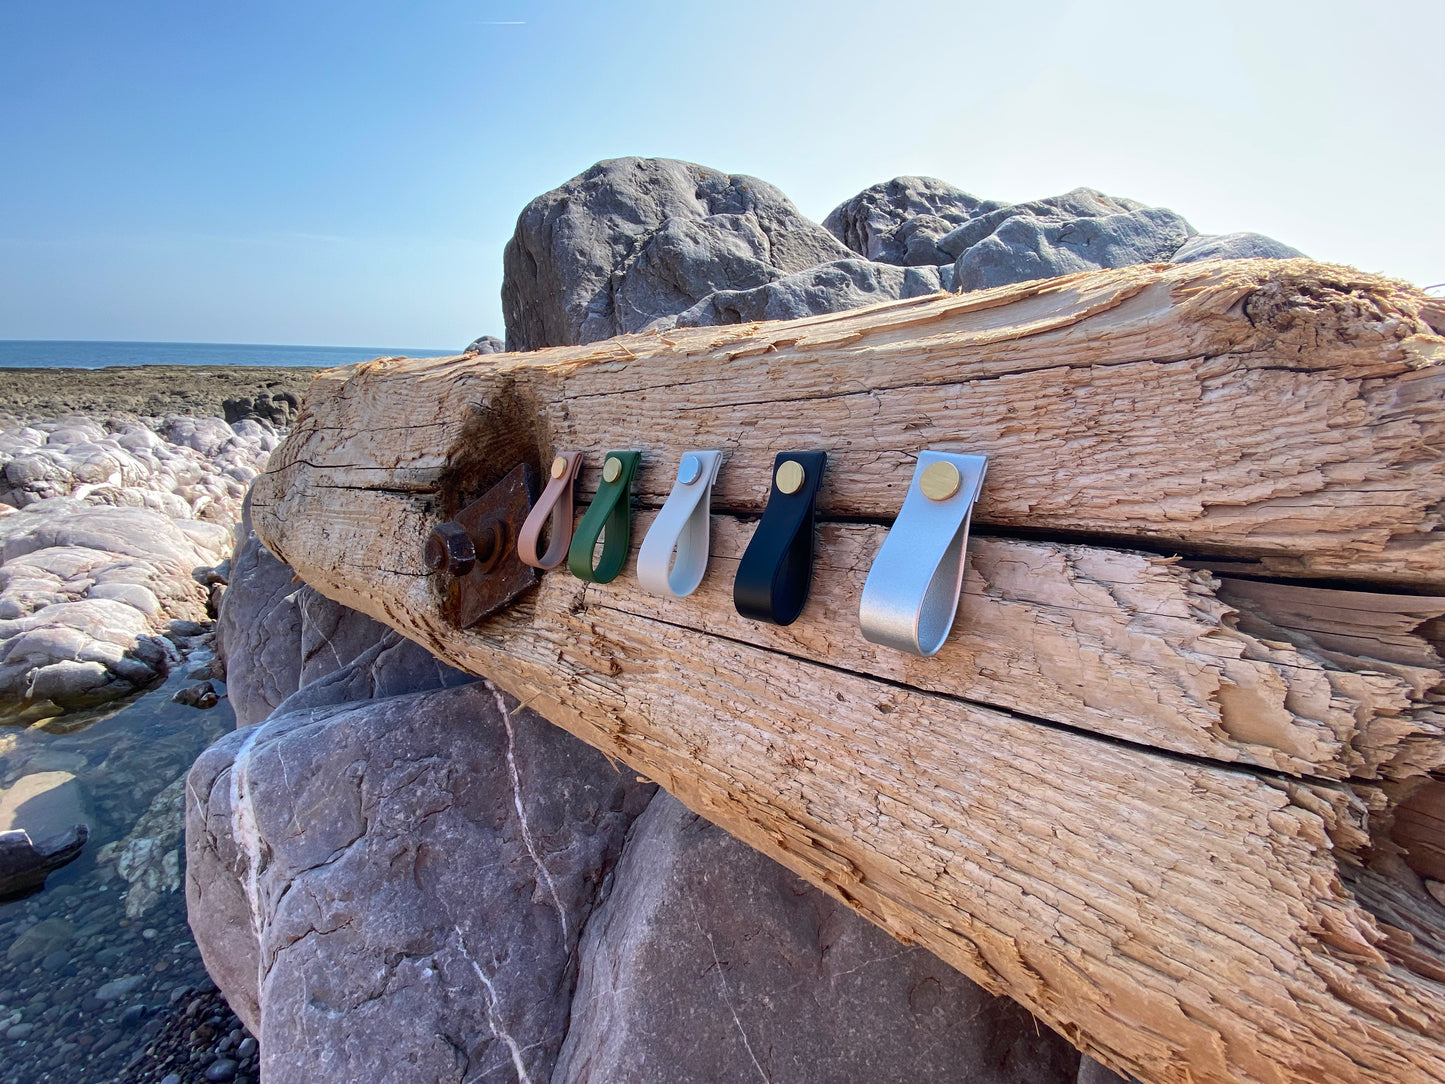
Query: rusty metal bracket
[{"x": 477, "y": 551}]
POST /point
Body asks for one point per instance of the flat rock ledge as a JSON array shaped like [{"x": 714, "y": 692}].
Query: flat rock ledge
[{"x": 110, "y": 532}]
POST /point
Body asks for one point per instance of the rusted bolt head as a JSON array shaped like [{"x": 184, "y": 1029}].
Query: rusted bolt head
[
  {"x": 449, "y": 549},
  {"x": 491, "y": 544}
]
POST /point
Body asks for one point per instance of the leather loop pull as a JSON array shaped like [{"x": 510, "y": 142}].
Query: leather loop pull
[
  {"x": 777, "y": 567},
  {"x": 911, "y": 594},
  {"x": 611, "y": 509},
  {"x": 556, "y": 503},
  {"x": 682, "y": 525}
]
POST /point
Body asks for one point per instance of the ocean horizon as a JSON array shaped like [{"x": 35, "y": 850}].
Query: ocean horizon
[{"x": 104, "y": 354}]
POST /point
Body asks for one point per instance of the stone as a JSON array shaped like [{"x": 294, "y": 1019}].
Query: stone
[
  {"x": 148, "y": 857},
  {"x": 900, "y": 221},
  {"x": 200, "y": 695},
  {"x": 708, "y": 961},
  {"x": 246, "y": 1047},
  {"x": 86, "y": 598},
  {"x": 222, "y": 1069},
  {"x": 429, "y": 863},
  {"x": 1092, "y": 1072},
  {"x": 1081, "y": 230},
  {"x": 635, "y": 239},
  {"x": 277, "y": 409},
  {"x": 16, "y": 1032},
  {"x": 487, "y": 344},
  {"x": 46, "y": 936},
  {"x": 831, "y": 287},
  {"x": 48, "y": 806},
  {"x": 55, "y": 961},
  {"x": 118, "y": 988},
  {"x": 276, "y": 637},
  {"x": 1234, "y": 246}
]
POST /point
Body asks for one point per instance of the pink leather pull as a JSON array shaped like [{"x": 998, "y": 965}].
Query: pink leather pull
[{"x": 556, "y": 502}]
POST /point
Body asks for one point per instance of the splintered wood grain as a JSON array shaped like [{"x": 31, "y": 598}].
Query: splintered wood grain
[
  {"x": 1131, "y": 794},
  {"x": 1286, "y": 412},
  {"x": 1181, "y": 919}
]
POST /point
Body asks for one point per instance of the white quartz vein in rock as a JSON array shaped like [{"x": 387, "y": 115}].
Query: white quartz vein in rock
[
  {"x": 727, "y": 996},
  {"x": 493, "y": 1016},
  {"x": 521, "y": 812}
]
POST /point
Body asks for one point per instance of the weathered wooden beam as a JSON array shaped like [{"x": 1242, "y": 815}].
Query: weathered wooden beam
[
  {"x": 1285, "y": 411},
  {"x": 1155, "y": 806}
]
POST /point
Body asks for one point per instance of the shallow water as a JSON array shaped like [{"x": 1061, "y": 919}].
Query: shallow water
[{"x": 92, "y": 983}]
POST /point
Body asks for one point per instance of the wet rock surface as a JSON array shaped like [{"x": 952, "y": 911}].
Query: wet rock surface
[{"x": 91, "y": 966}]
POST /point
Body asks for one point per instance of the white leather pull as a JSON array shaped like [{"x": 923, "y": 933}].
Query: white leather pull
[
  {"x": 911, "y": 594},
  {"x": 682, "y": 525}
]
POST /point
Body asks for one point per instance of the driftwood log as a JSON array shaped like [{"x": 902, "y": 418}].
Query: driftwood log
[{"x": 1175, "y": 781}]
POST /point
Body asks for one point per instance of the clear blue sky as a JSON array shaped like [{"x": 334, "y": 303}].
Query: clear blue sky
[{"x": 347, "y": 174}]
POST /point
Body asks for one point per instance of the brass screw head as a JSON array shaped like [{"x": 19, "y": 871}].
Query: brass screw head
[
  {"x": 612, "y": 469},
  {"x": 940, "y": 480},
  {"x": 559, "y": 467},
  {"x": 790, "y": 476}
]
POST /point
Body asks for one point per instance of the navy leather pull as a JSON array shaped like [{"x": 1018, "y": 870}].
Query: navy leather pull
[{"x": 777, "y": 568}]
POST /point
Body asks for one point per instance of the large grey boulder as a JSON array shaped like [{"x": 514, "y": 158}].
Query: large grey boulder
[
  {"x": 635, "y": 239},
  {"x": 1234, "y": 246},
  {"x": 394, "y": 890},
  {"x": 485, "y": 344},
  {"x": 276, "y": 637},
  {"x": 640, "y": 244},
  {"x": 830, "y": 287},
  {"x": 710, "y": 962},
  {"x": 901, "y": 221},
  {"x": 1082, "y": 230}
]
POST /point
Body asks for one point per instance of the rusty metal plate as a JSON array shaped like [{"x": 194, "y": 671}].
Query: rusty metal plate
[{"x": 496, "y": 576}]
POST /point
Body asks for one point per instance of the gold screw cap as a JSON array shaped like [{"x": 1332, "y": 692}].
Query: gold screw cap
[
  {"x": 559, "y": 467},
  {"x": 790, "y": 476},
  {"x": 612, "y": 469},
  {"x": 940, "y": 480}
]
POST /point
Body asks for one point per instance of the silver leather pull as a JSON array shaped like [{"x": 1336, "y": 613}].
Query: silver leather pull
[
  {"x": 911, "y": 594},
  {"x": 682, "y": 525}
]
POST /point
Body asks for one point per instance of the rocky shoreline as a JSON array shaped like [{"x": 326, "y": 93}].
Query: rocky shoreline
[
  {"x": 119, "y": 491},
  {"x": 153, "y": 391}
]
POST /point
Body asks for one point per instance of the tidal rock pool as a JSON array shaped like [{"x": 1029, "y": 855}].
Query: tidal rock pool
[{"x": 100, "y": 979}]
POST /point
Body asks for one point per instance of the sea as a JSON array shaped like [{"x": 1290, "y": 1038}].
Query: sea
[{"x": 90, "y": 354}]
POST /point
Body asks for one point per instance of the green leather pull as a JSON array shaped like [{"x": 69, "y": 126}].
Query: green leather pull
[{"x": 610, "y": 509}]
